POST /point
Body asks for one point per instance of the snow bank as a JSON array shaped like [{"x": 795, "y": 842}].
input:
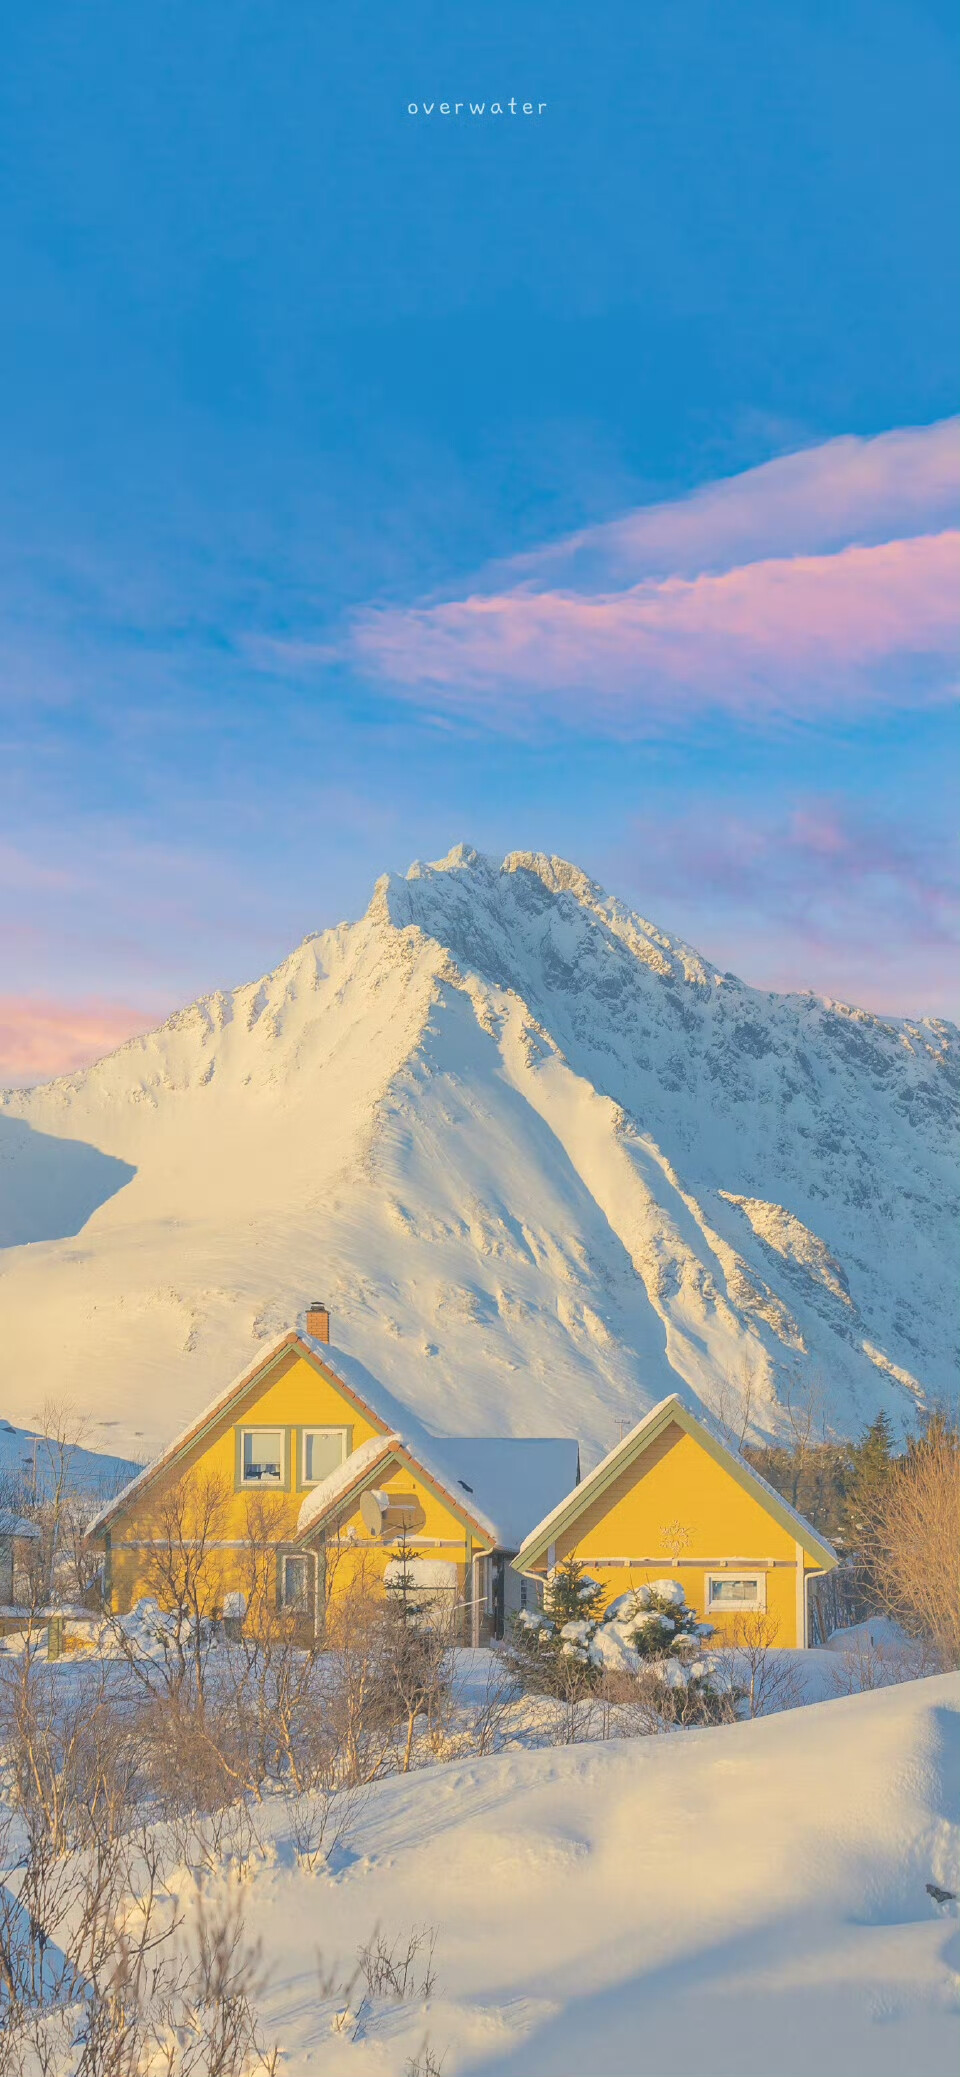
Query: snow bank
[{"x": 748, "y": 1902}]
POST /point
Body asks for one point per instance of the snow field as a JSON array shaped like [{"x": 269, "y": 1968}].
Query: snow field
[{"x": 743, "y": 1902}]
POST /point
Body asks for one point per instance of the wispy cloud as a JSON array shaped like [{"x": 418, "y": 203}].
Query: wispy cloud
[
  {"x": 40, "y": 1036},
  {"x": 824, "y": 581},
  {"x": 820, "y": 895}
]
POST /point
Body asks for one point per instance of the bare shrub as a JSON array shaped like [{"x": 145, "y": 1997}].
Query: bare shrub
[
  {"x": 751, "y": 1664},
  {"x": 863, "y": 1664},
  {"x": 181, "y": 1570},
  {"x": 913, "y": 1540},
  {"x": 86, "y": 1910},
  {"x": 662, "y": 1697},
  {"x": 210, "y": 2006},
  {"x": 424, "y": 2063},
  {"x": 399, "y": 1969},
  {"x": 92, "y": 1979},
  {"x": 388, "y": 1668},
  {"x": 486, "y": 1719},
  {"x": 320, "y": 1820}
]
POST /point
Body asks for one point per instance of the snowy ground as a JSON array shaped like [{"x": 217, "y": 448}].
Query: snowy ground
[
  {"x": 739, "y": 1902},
  {"x": 746, "y": 1900}
]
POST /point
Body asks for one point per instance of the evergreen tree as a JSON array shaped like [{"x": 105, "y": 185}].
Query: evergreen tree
[
  {"x": 659, "y": 1624},
  {"x": 871, "y": 1463},
  {"x": 570, "y": 1597}
]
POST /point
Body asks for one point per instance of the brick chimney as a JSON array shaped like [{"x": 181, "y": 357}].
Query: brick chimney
[{"x": 318, "y": 1320}]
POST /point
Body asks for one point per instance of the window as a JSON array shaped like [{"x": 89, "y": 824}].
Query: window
[
  {"x": 262, "y": 1457},
  {"x": 322, "y": 1450},
  {"x": 732, "y": 1592},
  {"x": 296, "y": 1583}
]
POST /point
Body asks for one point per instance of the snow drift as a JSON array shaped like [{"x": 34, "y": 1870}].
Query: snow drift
[{"x": 746, "y": 1902}]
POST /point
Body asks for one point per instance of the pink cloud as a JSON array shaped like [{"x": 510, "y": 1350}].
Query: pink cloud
[
  {"x": 816, "y": 501},
  {"x": 41, "y": 1037},
  {"x": 822, "y": 580},
  {"x": 817, "y": 895},
  {"x": 796, "y": 635}
]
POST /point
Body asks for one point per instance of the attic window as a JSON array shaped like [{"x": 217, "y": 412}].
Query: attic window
[
  {"x": 261, "y": 1458},
  {"x": 324, "y": 1450}
]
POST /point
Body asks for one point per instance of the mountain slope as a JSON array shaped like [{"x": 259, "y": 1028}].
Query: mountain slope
[{"x": 542, "y": 1161}]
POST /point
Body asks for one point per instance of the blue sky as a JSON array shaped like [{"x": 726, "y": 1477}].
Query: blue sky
[{"x": 317, "y": 417}]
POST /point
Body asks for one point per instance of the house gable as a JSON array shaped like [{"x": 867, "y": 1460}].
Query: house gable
[
  {"x": 292, "y": 1390},
  {"x": 675, "y": 1497},
  {"x": 672, "y": 1468}
]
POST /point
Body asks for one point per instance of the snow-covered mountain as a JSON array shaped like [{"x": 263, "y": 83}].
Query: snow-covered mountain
[{"x": 543, "y": 1162}]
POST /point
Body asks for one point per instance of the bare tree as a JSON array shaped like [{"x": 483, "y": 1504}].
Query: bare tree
[
  {"x": 55, "y": 1488},
  {"x": 735, "y": 1403},
  {"x": 756, "y": 1668},
  {"x": 803, "y": 1403},
  {"x": 362, "y": 1712},
  {"x": 913, "y": 1540},
  {"x": 181, "y": 1568}
]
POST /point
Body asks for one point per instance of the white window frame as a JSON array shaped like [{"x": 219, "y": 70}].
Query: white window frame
[
  {"x": 324, "y": 1428},
  {"x": 259, "y": 1485},
  {"x": 754, "y": 1607}
]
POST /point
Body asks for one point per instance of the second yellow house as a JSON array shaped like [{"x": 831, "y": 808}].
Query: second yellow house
[{"x": 673, "y": 1501}]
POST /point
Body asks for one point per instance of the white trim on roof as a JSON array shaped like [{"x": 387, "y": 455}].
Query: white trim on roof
[
  {"x": 291, "y": 1338},
  {"x": 627, "y": 1448},
  {"x": 321, "y": 1498}
]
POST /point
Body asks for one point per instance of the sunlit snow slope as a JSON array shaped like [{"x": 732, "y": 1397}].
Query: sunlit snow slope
[{"x": 542, "y": 1161}]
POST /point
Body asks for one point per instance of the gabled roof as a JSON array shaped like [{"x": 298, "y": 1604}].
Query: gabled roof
[
  {"x": 495, "y": 1484},
  {"x": 352, "y": 1477},
  {"x": 515, "y": 1478},
  {"x": 633, "y": 1447},
  {"x": 347, "y": 1482},
  {"x": 331, "y": 1364},
  {"x": 508, "y": 1477},
  {"x": 17, "y": 1527}
]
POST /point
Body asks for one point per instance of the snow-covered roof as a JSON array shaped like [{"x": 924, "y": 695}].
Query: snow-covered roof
[
  {"x": 515, "y": 1478},
  {"x": 632, "y": 1446},
  {"x": 497, "y": 1482},
  {"x": 343, "y": 1369},
  {"x": 352, "y": 1472},
  {"x": 15, "y": 1526}
]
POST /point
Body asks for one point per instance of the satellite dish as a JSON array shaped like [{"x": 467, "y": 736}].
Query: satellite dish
[{"x": 372, "y": 1511}]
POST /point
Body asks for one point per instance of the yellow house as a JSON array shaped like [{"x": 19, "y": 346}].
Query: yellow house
[
  {"x": 672, "y": 1501},
  {"x": 304, "y": 1473}
]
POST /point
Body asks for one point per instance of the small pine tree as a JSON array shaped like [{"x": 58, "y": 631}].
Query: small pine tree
[
  {"x": 415, "y": 1654},
  {"x": 541, "y": 1657},
  {"x": 408, "y": 1605},
  {"x": 570, "y": 1596},
  {"x": 872, "y": 1460}
]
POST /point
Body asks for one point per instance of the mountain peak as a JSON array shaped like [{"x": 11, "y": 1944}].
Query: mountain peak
[{"x": 547, "y": 1167}]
